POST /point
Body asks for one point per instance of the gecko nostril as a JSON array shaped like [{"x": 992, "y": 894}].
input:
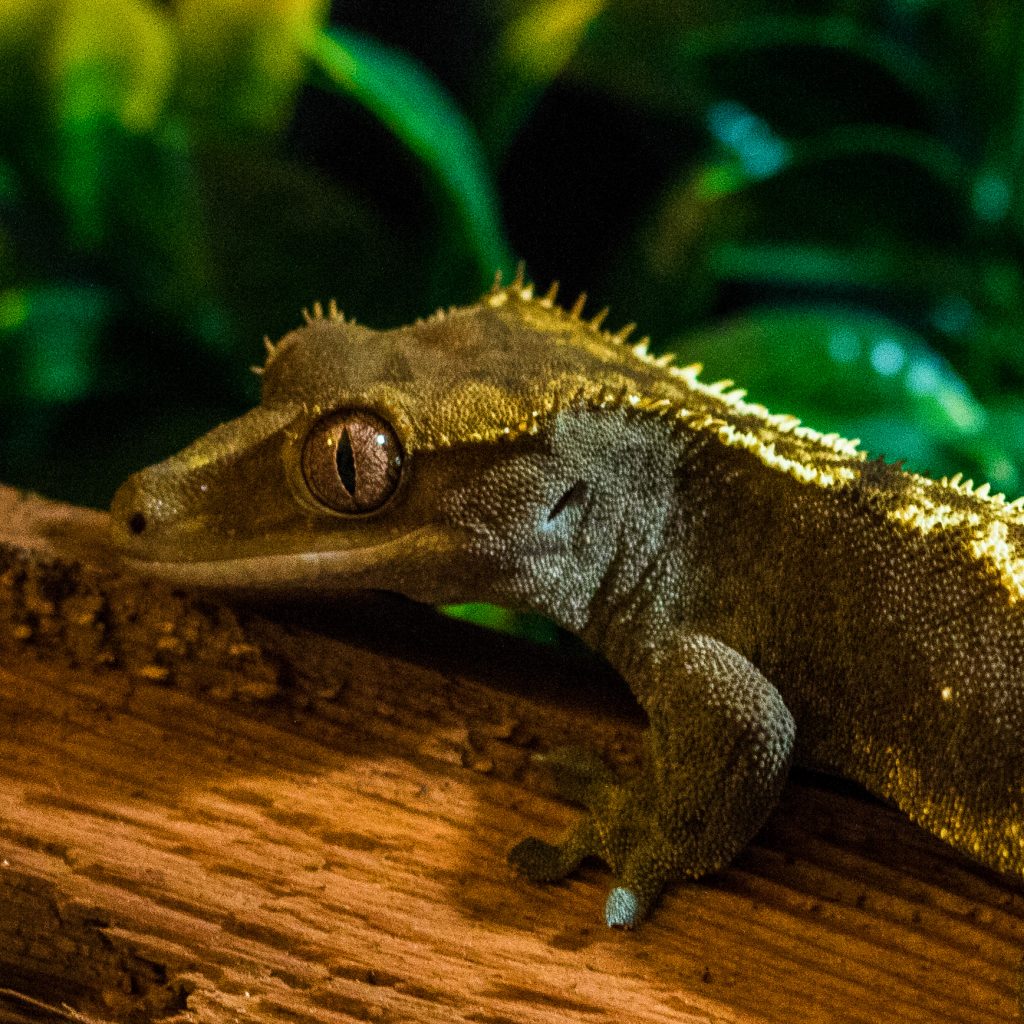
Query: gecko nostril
[{"x": 137, "y": 523}]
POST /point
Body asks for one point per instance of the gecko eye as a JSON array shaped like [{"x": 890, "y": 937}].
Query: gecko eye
[{"x": 352, "y": 461}]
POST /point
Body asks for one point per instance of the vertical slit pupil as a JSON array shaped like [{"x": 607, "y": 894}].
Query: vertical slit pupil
[{"x": 346, "y": 461}]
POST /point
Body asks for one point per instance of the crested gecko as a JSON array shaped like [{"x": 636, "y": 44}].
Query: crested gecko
[{"x": 769, "y": 594}]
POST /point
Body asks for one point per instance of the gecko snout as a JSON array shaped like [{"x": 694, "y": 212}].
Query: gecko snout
[
  {"x": 127, "y": 511},
  {"x": 136, "y": 523},
  {"x": 137, "y": 510}
]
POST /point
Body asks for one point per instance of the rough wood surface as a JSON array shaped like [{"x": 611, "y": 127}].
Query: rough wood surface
[{"x": 215, "y": 815}]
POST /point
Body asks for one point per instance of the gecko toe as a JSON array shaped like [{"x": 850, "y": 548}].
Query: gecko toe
[
  {"x": 622, "y": 908},
  {"x": 534, "y": 858},
  {"x": 549, "y": 862},
  {"x": 579, "y": 774},
  {"x": 543, "y": 862}
]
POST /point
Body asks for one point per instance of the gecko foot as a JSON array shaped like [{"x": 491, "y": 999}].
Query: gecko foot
[
  {"x": 643, "y": 871},
  {"x": 582, "y": 778},
  {"x": 622, "y": 827}
]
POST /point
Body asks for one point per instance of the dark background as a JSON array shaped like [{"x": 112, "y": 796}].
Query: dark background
[{"x": 822, "y": 201}]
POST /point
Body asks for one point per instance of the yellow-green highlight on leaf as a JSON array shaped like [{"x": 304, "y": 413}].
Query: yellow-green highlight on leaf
[
  {"x": 110, "y": 58},
  {"x": 22, "y": 22},
  {"x": 243, "y": 60},
  {"x": 717, "y": 180},
  {"x": 108, "y": 66},
  {"x": 418, "y": 110},
  {"x": 13, "y": 309},
  {"x": 531, "y": 51},
  {"x": 542, "y": 38}
]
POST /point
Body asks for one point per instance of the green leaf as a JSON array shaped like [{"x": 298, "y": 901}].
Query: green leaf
[
  {"x": 533, "y": 627},
  {"x": 418, "y": 110},
  {"x": 50, "y": 334},
  {"x": 9, "y": 186},
  {"x": 1006, "y": 421},
  {"x": 850, "y": 369},
  {"x": 160, "y": 233},
  {"x": 759, "y": 153},
  {"x": 922, "y": 270},
  {"x": 684, "y": 57},
  {"x": 833, "y": 32}
]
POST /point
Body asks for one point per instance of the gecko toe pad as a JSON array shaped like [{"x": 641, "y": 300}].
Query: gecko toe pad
[{"x": 622, "y": 908}]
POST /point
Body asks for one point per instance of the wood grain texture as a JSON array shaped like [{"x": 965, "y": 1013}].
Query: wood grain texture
[{"x": 213, "y": 814}]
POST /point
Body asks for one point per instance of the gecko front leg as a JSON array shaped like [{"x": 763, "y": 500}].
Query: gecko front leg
[{"x": 716, "y": 756}]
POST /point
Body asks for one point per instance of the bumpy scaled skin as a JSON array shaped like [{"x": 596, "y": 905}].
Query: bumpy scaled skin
[{"x": 768, "y": 593}]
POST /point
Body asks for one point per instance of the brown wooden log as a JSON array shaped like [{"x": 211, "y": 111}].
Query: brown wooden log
[{"x": 212, "y": 814}]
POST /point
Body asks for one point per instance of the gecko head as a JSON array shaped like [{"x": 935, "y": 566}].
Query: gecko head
[{"x": 450, "y": 460}]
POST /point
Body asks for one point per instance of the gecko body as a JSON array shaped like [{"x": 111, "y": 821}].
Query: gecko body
[{"x": 768, "y": 592}]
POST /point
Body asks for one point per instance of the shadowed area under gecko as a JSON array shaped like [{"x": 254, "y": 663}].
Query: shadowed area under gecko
[{"x": 766, "y": 591}]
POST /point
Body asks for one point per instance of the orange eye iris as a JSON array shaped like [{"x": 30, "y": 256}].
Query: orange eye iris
[{"x": 352, "y": 461}]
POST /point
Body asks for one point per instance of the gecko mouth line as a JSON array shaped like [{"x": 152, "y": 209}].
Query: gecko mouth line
[{"x": 272, "y": 572}]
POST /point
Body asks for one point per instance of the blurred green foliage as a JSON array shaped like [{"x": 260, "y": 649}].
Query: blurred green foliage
[{"x": 823, "y": 199}]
